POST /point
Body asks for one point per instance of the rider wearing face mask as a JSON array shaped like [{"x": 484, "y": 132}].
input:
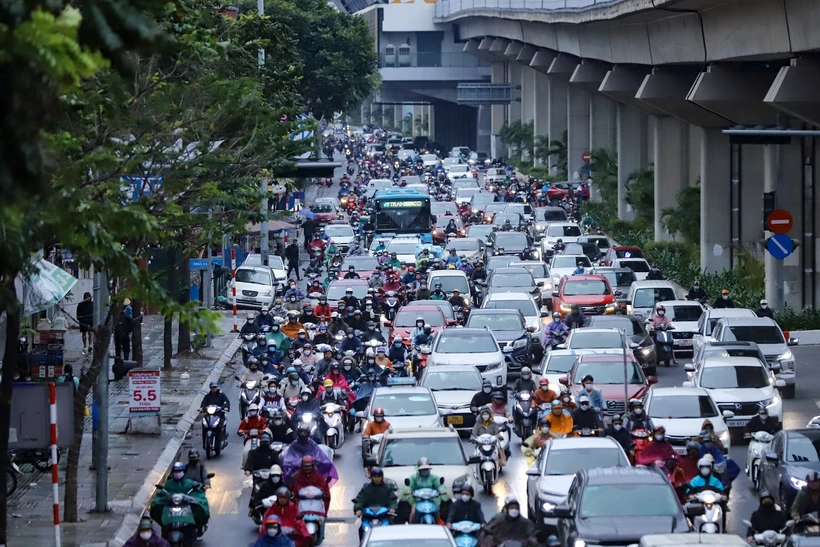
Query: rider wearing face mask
[
  {"x": 708, "y": 447},
  {"x": 293, "y": 326},
  {"x": 763, "y": 422},
  {"x": 566, "y": 400},
  {"x": 376, "y": 493},
  {"x": 724, "y": 301},
  {"x": 483, "y": 397},
  {"x": 291, "y": 386},
  {"x": 560, "y": 422},
  {"x": 423, "y": 478},
  {"x": 178, "y": 483},
  {"x": 705, "y": 480},
  {"x": 575, "y": 319},
  {"x": 617, "y": 431},
  {"x": 280, "y": 430},
  {"x": 586, "y": 417},
  {"x": 261, "y": 457},
  {"x": 808, "y": 499},
  {"x": 767, "y": 517},
  {"x": 543, "y": 394},
  {"x": 293, "y": 304},
  {"x": 351, "y": 342},
  {"x": 659, "y": 318},
  {"x": 508, "y": 525},
  {"x": 309, "y": 316},
  {"x": 465, "y": 507},
  {"x": 372, "y": 333},
  {"x": 350, "y": 371},
  {"x": 658, "y": 449},
  {"x": 697, "y": 292},
  {"x": 300, "y": 341},
  {"x": 525, "y": 382},
  {"x": 486, "y": 425},
  {"x": 764, "y": 310},
  {"x": 637, "y": 418},
  {"x": 357, "y": 321},
  {"x": 398, "y": 353},
  {"x": 596, "y": 398},
  {"x": 146, "y": 536}
]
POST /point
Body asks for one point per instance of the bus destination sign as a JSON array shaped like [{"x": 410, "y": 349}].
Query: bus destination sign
[{"x": 403, "y": 204}]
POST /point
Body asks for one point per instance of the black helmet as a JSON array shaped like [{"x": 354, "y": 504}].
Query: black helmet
[
  {"x": 303, "y": 430},
  {"x": 282, "y": 491},
  {"x": 377, "y": 471},
  {"x": 497, "y": 395},
  {"x": 764, "y": 494},
  {"x": 193, "y": 454},
  {"x": 468, "y": 488}
]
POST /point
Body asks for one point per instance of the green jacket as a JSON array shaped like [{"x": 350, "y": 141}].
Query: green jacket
[
  {"x": 183, "y": 486},
  {"x": 395, "y": 262},
  {"x": 371, "y": 495},
  {"x": 282, "y": 341},
  {"x": 417, "y": 482}
]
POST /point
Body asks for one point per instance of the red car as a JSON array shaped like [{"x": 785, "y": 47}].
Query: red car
[
  {"x": 324, "y": 213},
  {"x": 621, "y": 252},
  {"x": 441, "y": 223},
  {"x": 607, "y": 370},
  {"x": 591, "y": 292},
  {"x": 364, "y": 265},
  {"x": 559, "y": 190},
  {"x": 405, "y": 322}
]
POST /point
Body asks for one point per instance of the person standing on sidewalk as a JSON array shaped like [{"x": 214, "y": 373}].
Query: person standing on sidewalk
[
  {"x": 292, "y": 254},
  {"x": 122, "y": 331},
  {"x": 85, "y": 317}
]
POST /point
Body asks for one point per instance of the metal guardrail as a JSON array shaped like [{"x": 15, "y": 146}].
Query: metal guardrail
[
  {"x": 484, "y": 94},
  {"x": 446, "y": 8},
  {"x": 455, "y": 59}
]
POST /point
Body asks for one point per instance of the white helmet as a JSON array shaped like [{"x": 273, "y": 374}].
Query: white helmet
[{"x": 254, "y": 407}]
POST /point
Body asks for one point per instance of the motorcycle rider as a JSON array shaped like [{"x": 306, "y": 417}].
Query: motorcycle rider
[
  {"x": 307, "y": 476},
  {"x": 452, "y": 259},
  {"x": 543, "y": 394},
  {"x": 566, "y": 400},
  {"x": 465, "y": 507},
  {"x": 265, "y": 488},
  {"x": 307, "y": 405},
  {"x": 438, "y": 293},
  {"x": 659, "y": 318},
  {"x": 525, "y": 382},
  {"x": 337, "y": 324},
  {"x": 689, "y": 463},
  {"x": 351, "y": 273},
  {"x": 394, "y": 261},
  {"x": 264, "y": 318},
  {"x": 321, "y": 338},
  {"x": 764, "y": 310},
  {"x": 423, "y": 292},
  {"x": 250, "y": 326},
  {"x": 350, "y": 371},
  {"x": 697, "y": 292},
  {"x": 217, "y": 398},
  {"x": 423, "y": 478},
  {"x": 351, "y": 342},
  {"x": 294, "y": 290},
  {"x": 329, "y": 395},
  {"x": 398, "y": 353},
  {"x": 451, "y": 228},
  {"x": 724, "y": 301},
  {"x": 559, "y": 246},
  {"x": 376, "y": 280},
  {"x": 705, "y": 480},
  {"x": 261, "y": 457},
  {"x": 293, "y": 326},
  {"x": 767, "y": 517},
  {"x": 351, "y": 301},
  {"x": 293, "y": 386},
  {"x": 382, "y": 360},
  {"x": 252, "y": 421},
  {"x": 308, "y": 315},
  {"x": 293, "y": 304},
  {"x": 575, "y": 319},
  {"x": 486, "y": 425},
  {"x": 763, "y": 422},
  {"x": 146, "y": 536},
  {"x": 538, "y": 439},
  {"x": 637, "y": 418},
  {"x": 556, "y": 329},
  {"x": 273, "y": 536},
  {"x": 508, "y": 525},
  {"x": 377, "y": 426},
  {"x": 281, "y": 340},
  {"x": 707, "y": 446},
  {"x": 178, "y": 483},
  {"x": 279, "y": 428},
  {"x": 372, "y": 334},
  {"x": 658, "y": 449},
  {"x": 323, "y": 309},
  {"x": 288, "y": 513},
  {"x": 586, "y": 417},
  {"x": 376, "y": 493},
  {"x": 356, "y": 321},
  {"x": 579, "y": 270},
  {"x": 498, "y": 405},
  {"x": 457, "y": 300},
  {"x": 483, "y": 397},
  {"x": 195, "y": 469},
  {"x": 616, "y": 431},
  {"x": 808, "y": 498},
  {"x": 596, "y": 398},
  {"x": 301, "y": 340}
]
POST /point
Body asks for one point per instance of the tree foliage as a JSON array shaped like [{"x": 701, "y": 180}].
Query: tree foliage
[
  {"x": 603, "y": 168},
  {"x": 640, "y": 195},
  {"x": 684, "y": 217},
  {"x": 519, "y": 137},
  {"x": 553, "y": 153}
]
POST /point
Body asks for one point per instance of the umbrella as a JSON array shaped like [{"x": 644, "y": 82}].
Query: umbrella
[
  {"x": 307, "y": 213},
  {"x": 46, "y": 287}
]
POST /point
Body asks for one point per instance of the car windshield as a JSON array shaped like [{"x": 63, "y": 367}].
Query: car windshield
[
  {"x": 440, "y": 379},
  {"x": 479, "y": 230},
  {"x": 637, "y": 266},
  {"x": 450, "y": 282},
  {"x": 564, "y": 231},
  {"x": 585, "y": 288},
  {"x": 442, "y": 305},
  {"x": 502, "y": 218},
  {"x": 402, "y": 247},
  {"x": 800, "y": 448},
  {"x": 336, "y": 292},
  {"x": 609, "y": 372},
  {"x": 495, "y": 321},
  {"x": 276, "y": 263},
  {"x": 467, "y": 192},
  {"x": 363, "y": 263},
  {"x": 495, "y": 171},
  {"x": 743, "y": 377},
  {"x": 408, "y": 318},
  {"x": 682, "y": 407},
  {"x": 420, "y": 403},
  {"x": 441, "y": 207},
  {"x": 760, "y": 335},
  {"x": 570, "y": 462},
  {"x": 684, "y": 313},
  {"x": 647, "y": 298},
  {"x": 570, "y": 261},
  {"x": 460, "y": 169},
  {"x": 425, "y": 542},
  {"x": 463, "y": 244},
  {"x": 429, "y": 157},
  {"x": 536, "y": 269},
  {"x": 526, "y": 307},
  {"x": 466, "y": 343},
  {"x": 339, "y": 230},
  {"x": 322, "y": 209},
  {"x": 559, "y": 363},
  {"x": 523, "y": 279},
  {"x": 510, "y": 240},
  {"x": 550, "y": 215},
  {"x": 500, "y": 262},
  {"x": 450, "y": 161},
  {"x": 732, "y": 352},
  {"x": 584, "y": 339},
  {"x": 494, "y": 207},
  {"x": 406, "y": 452},
  {"x": 619, "y": 279},
  {"x": 629, "y": 500},
  {"x": 630, "y": 326},
  {"x": 254, "y": 277}
]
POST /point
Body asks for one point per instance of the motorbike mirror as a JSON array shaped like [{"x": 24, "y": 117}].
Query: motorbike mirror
[
  {"x": 634, "y": 345},
  {"x": 747, "y": 523},
  {"x": 371, "y": 462},
  {"x": 388, "y": 323},
  {"x": 533, "y": 471},
  {"x": 441, "y": 480},
  {"x": 532, "y": 329},
  {"x": 211, "y": 475},
  {"x": 544, "y": 313},
  {"x": 652, "y": 379},
  {"x": 694, "y": 509},
  {"x": 563, "y": 380},
  {"x": 728, "y": 414},
  {"x": 688, "y": 384},
  {"x": 689, "y": 367},
  {"x": 237, "y": 378},
  {"x": 560, "y": 346},
  {"x": 618, "y": 294}
]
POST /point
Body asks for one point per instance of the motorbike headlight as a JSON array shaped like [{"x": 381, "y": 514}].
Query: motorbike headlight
[
  {"x": 540, "y": 228},
  {"x": 520, "y": 343},
  {"x": 547, "y": 507},
  {"x": 796, "y": 483},
  {"x": 708, "y": 499},
  {"x": 580, "y": 543},
  {"x": 647, "y": 351}
]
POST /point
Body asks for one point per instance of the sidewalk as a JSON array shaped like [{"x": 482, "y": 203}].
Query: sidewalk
[{"x": 136, "y": 462}]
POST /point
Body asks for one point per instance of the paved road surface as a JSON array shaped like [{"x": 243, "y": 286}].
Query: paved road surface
[{"x": 231, "y": 525}]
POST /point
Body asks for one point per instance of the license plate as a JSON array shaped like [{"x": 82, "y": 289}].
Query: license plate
[
  {"x": 455, "y": 420},
  {"x": 737, "y": 423},
  {"x": 687, "y": 343},
  {"x": 681, "y": 450}
]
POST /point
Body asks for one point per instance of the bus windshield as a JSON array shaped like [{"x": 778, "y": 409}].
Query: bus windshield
[{"x": 403, "y": 215}]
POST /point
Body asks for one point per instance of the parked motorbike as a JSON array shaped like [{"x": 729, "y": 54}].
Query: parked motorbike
[
  {"x": 214, "y": 438},
  {"x": 39, "y": 458},
  {"x": 523, "y": 415},
  {"x": 487, "y": 467},
  {"x": 713, "y": 520},
  {"x": 465, "y": 533},
  {"x": 335, "y": 430},
  {"x": 311, "y": 508},
  {"x": 759, "y": 443},
  {"x": 12, "y": 471},
  {"x": 769, "y": 538}
]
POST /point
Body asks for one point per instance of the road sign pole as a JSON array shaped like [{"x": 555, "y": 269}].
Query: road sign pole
[{"x": 772, "y": 170}]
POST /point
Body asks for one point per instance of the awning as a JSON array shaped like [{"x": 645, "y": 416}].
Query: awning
[{"x": 46, "y": 287}]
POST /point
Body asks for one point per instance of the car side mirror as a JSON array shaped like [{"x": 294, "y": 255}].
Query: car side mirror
[
  {"x": 532, "y": 329},
  {"x": 563, "y": 380},
  {"x": 388, "y": 323},
  {"x": 634, "y": 345},
  {"x": 533, "y": 472},
  {"x": 688, "y": 384},
  {"x": 780, "y": 383},
  {"x": 560, "y": 346},
  {"x": 689, "y": 367},
  {"x": 474, "y": 460},
  {"x": 507, "y": 349},
  {"x": 618, "y": 294},
  {"x": 652, "y": 379},
  {"x": 562, "y": 512},
  {"x": 544, "y": 314},
  {"x": 451, "y": 322},
  {"x": 770, "y": 456},
  {"x": 370, "y": 462},
  {"x": 540, "y": 283},
  {"x": 728, "y": 414},
  {"x": 794, "y": 341},
  {"x": 555, "y": 294}
]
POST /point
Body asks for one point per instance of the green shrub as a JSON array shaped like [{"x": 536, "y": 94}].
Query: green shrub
[
  {"x": 199, "y": 342},
  {"x": 792, "y": 319}
]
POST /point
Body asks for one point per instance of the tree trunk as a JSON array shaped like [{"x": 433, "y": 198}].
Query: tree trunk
[
  {"x": 102, "y": 342},
  {"x": 167, "y": 343},
  {"x": 136, "y": 333},
  {"x": 6, "y": 386},
  {"x": 183, "y": 283}
]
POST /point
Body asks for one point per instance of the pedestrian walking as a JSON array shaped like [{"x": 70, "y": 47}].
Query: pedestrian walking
[
  {"x": 292, "y": 254},
  {"x": 122, "y": 331},
  {"x": 85, "y": 317},
  {"x": 309, "y": 227}
]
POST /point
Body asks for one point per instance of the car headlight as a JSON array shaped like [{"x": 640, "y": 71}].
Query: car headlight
[
  {"x": 266, "y": 292},
  {"x": 547, "y": 507},
  {"x": 797, "y": 483},
  {"x": 540, "y": 228},
  {"x": 580, "y": 543},
  {"x": 493, "y": 366},
  {"x": 610, "y": 308},
  {"x": 565, "y": 308},
  {"x": 519, "y": 344},
  {"x": 724, "y": 437},
  {"x": 774, "y": 401},
  {"x": 786, "y": 361}
]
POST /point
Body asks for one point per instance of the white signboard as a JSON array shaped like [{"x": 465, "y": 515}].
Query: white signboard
[{"x": 144, "y": 392}]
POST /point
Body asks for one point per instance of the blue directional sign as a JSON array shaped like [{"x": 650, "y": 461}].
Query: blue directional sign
[{"x": 780, "y": 246}]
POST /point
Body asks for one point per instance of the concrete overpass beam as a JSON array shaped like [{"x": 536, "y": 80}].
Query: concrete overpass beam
[
  {"x": 542, "y": 60},
  {"x": 562, "y": 65},
  {"x": 794, "y": 91},
  {"x": 665, "y": 90},
  {"x": 735, "y": 94},
  {"x": 578, "y": 100},
  {"x": 512, "y": 50},
  {"x": 526, "y": 54},
  {"x": 715, "y": 214},
  {"x": 622, "y": 83},
  {"x": 671, "y": 166},
  {"x": 498, "y": 48},
  {"x": 632, "y": 147}
]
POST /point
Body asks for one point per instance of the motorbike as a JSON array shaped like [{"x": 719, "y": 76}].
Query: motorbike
[
  {"x": 311, "y": 508},
  {"x": 370, "y": 446},
  {"x": 335, "y": 430},
  {"x": 504, "y": 436},
  {"x": 555, "y": 339},
  {"x": 769, "y": 538},
  {"x": 523, "y": 415},
  {"x": 641, "y": 438},
  {"x": 427, "y": 512},
  {"x": 391, "y": 305},
  {"x": 587, "y": 432},
  {"x": 713, "y": 520},
  {"x": 248, "y": 346},
  {"x": 213, "y": 431},
  {"x": 39, "y": 458},
  {"x": 182, "y": 517},
  {"x": 465, "y": 533},
  {"x": 664, "y": 345},
  {"x": 808, "y": 524},
  {"x": 249, "y": 394},
  {"x": 251, "y": 442},
  {"x": 12, "y": 470},
  {"x": 759, "y": 443},
  {"x": 487, "y": 468},
  {"x": 423, "y": 354},
  {"x": 373, "y": 517},
  {"x": 458, "y": 314}
]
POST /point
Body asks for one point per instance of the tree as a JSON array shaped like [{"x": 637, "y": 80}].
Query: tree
[
  {"x": 519, "y": 137},
  {"x": 553, "y": 153},
  {"x": 684, "y": 217},
  {"x": 640, "y": 195},
  {"x": 407, "y": 124},
  {"x": 603, "y": 168}
]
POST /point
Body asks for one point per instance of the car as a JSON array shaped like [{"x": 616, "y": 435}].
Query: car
[
  {"x": 544, "y": 216},
  {"x": 559, "y": 362},
  {"x": 522, "y": 209},
  {"x": 443, "y": 305},
  {"x": 337, "y": 288},
  {"x": 512, "y": 243},
  {"x": 343, "y": 235},
  {"x": 466, "y": 247},
  {"x": 584, "y": 248},
  {"x": 595, "y": 338},
  {"x": 511, "y": 332},
  {"x": 621, "y": 251},
  {"x": 791, "y": 455},
  {"x": 410, "y": 535},
  {"x": 494, "y": 176},
  {"x": 742, "y": 385},
  {"x": 460, "y": 151},
  {"x": 449, "y": 162},
  {"x": 638, "y": 265},
  {"x": 769, "y": 338},
  {"x": 480, "y": 231},
  {"x": 695, "y": 540},
  {"x": 451, "y": 279},
  {"x": 459, "y": 172},
  {"x": 330, "y": 200},
  {"x": 413, "y": 181},
  {"x": 405, "y": 407},
  {"x": 502, "y": 217},
  {"x": 563, "y": 265},
  {"x": 364, "y": 264},
  {"x": 255, "y": 287},
  {"x": 479, "y": 160},
  {"x": 709, "y": 320},
  {"x": 500, "y": 261},
  {"x": 726, "y": 349},
  {"x": 477, "y": 347},
  {"x": 324, "y": 212},
  {"x": 541, "y": 273},
  {"x": 618, "y": 505},
  {"x": 524, "y": 303},
  {"x": 405, "y": 155},
  {"x": 442, "y": 221},
  {"x": 430, "y": 161},
  {"x": 376, "y": 150},
  {"x": 641, "y": 342},
  {"x": 465, "y": 183},
  {"x": 565, "y": 231},
  {"x": 464, "y": 195},
  {"x": 620, "y": 279},
  {"x": 550, "y": 477},
  {"x": 275, "y": 263},
  {"x": 481, "y": 200},
  {"x": 608, "y": 371},
  {"x": 591, "y": 293},
  {"x": 492, "y": 209},
  {"x": 405, "y": 321},
  {"x": 559, "y": 190},
  {"x": 405, "y": 249},
  {"x": 643, "y": 296},
  {"x": 442, "y": 208},
  {"x": 454, "y": 387},
  {"x": 684, "y": 315},
  {"x": 603, "y": 243},
  {"x": 683, "y": 411},
  {"x": 514, "y": 279}
]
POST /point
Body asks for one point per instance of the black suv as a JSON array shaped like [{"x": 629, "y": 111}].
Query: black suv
[{"x": 619, "y": 505}]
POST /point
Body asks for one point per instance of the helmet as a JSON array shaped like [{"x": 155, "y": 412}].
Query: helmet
[
  {"x": 272, "y": 519},
  {"x": 377, "y": 471},
  {"x": 193, "y": 454},
  {"x": 265, "y": 438},
  {"x": 583, "y": 399},
  {"x": 179, "y": 466},
  {"x": 378, "y": 412},
  {"x": 282, "y": 491},
  {"x": 556, "y": 403},
  {"x": 468, "y": 488},
  {"x": 704, "y": 462},
  {"x": 526, "y": 370},
  {"x": 423, "y": 463},
  {"x": 254, "y": 407},
  {"x": 307, "y": 461},
  {"x": 497, "y": 395}
]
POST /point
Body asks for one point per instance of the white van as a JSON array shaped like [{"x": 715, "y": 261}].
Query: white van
[{"x": 644, "y": 295}]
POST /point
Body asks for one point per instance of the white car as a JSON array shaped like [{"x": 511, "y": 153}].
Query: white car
[
  {"x": 430, "y": 161},
  {"x": 465, "y": 195},
  {"x": 453, "y": 387},
  {"x": 466, "y": 247},
  {"x": 709, "y": 320},
  {"x": 524, "y": 303},
  {"x": 682, "y": 411},
  {"x": 638, "y": 265},
  {"x": 684, "y": 315},
  {"x": 461, "y": 171},
  {"x": 494, "y": 175},
  {"x": 558, "y": 362},
  {"x": 405, "y": 407},
  {"x": 595, "y": 339},
  {"x": 255, "y": 287},
  {"x": 275, "y": 263},
  {"x": 741, "y": 385},
  {"x": 466, "y": 346},
  {"x": 405, "y": 249},
  {"x": 341, "y": 234},
  {"x": 567, "y": 232},
  {"x": 410, "y": 535},
  {"x": 541, "y": 273},
  {"x": 449, "y": 162},
  {"x": 451, "y": 279},
  {"x": 563, "y": 265}
]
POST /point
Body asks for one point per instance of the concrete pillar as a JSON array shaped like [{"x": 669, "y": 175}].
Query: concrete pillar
[
  {"x": 398, "y": 114},
  {"x": 418, "y": 112},
  {"x": 431, "y": 122},
  {"x": 557, "y": 103},
  {"x": 498, "y": 116},
  {"x": 528, "y": 76},
  {"x": 540, "y": 106},
  {"x": 671, "y": 166},
  {"x": 514, "y": 70},
  {"x": 715, "y": 216},
  {"x": 602, "y": 122},
  {"x": 484, "y": 128},
  {"x": 577, "y": 129},
  {"x": 632, "y": 151}
]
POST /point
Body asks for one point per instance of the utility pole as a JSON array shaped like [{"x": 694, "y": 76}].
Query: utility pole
[
  {"x": 101, "y": 398},
  {"x": 208, "y": 285},
  {"x": 260, "y": 6}
]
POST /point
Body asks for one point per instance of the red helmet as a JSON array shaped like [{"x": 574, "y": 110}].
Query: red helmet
[
  {"x": 272, "y": 519},
  {"x": 378, "y": 412}
]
